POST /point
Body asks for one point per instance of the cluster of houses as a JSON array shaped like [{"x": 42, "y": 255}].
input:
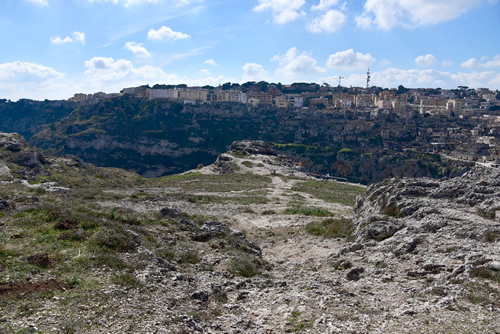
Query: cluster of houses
[
  {"x": 439, "y": 101},
  {"x": 476, "y": 138}
]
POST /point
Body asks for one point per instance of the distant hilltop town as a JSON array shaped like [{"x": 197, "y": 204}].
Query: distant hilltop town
[{"x": 323, "y": 97}]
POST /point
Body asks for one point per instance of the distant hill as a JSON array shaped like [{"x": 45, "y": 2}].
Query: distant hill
[{"x": 27, "y": 117}]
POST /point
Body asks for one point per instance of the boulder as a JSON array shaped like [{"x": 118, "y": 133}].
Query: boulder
[{"x": 380, "y": 230}]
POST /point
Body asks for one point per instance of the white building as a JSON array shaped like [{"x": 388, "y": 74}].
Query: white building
[
  {"x": 345, "y": 103},
  {"x": 163, "y": 94}
]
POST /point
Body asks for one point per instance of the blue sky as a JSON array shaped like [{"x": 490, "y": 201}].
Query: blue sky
[{"x": 55, "y": 48}]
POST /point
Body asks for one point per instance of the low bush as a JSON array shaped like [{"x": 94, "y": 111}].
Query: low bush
[{"x": 331, "y": 228}]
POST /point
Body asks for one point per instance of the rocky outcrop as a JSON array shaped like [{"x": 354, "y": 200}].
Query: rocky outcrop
[
  {"x": 14, "y": 149},
  {"x": 252, "y": 147}
]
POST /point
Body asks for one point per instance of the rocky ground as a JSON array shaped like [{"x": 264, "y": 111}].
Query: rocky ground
[{"x": 249, "y": 244}]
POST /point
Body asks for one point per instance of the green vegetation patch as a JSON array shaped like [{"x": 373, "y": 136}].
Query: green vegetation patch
[
  {"x": 216, "y": 183},
  {"x": 307, "y": 211},
  {"x": 244, "y": 266},
  {"x": 331, "y": 228},
  {"x": 489, "y": 273},
  {"x": 334, "y": 192}
]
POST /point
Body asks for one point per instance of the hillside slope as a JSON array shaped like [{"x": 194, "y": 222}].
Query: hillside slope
[{"x": 249, "y": 244}]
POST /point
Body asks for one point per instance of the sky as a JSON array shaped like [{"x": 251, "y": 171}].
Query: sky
[{"x": 52, "y": 49}]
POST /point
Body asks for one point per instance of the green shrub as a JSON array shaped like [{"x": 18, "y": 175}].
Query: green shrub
[
  {"x": 119, "y": 241},
  {"x": 491, "y": 236},
  {"x": 126, "y": 280},
  {"x": 489, "y": 273},
  {"x": 331, "y": 228},
  {"x": 308, "y": 211},
  {"x": 242, "y": 266}
]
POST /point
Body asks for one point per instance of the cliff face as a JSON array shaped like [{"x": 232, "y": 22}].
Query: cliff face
[
  {"x": 155, "y": 138},
  {"x": 18, "y": 158}
]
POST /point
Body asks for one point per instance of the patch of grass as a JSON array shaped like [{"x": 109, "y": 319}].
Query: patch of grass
[
  {"x": 491, "y": 236},
  {"x": 298, "y": 325},
  {"x": 248, "y": 164},
  {"x": 166, "y": 254},
  {"x": 126, "y": 280},
  {"x": 487, "y": 213},
  {"x": 331, "y": 228},
  {"x": 244, "y": 267},
  {"x": 243, "y": 182},
  {"x": 189, "y": 256},
  {"x": 488, "y": 273},
  {"x": 120, "y": 241},
  {"x": 330, "y": 191},
  {"x": 307, "y": 211}
]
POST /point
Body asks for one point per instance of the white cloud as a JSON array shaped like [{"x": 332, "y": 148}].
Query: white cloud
[
  {"x": 414, "y": 78},
  {"x": 283, "y": 10},
  {"x": 205, "y": 71},
  {"x": 254, "y": 72},
  {"x": 26, "y": 70},
  {"x": 425, "y": 61},
  {"x": 473, "y": 63},
  {"x": 28, "y": 80},
  {"x": 108, "y": 74},
  {"x": 166, "y": 32},
  {"x": 39, "y": 2},
  {"x": 77, "y": 37},
  {"x": 137, "y": 49},
  {"x": 210, "y": 62},
  {"x": 331, "y": 21},
  {"x": 297, "y": 67},
  {"x": 386, "y": 14},
  {"x": 349, "y": 61},
  {"x": 324, "y": 4},
  {"x": 364, "y": 22}
]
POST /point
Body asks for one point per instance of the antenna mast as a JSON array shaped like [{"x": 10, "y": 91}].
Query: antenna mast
[
  {"x": 368, "y": 78},
  {"x": 340, "y": 80}
]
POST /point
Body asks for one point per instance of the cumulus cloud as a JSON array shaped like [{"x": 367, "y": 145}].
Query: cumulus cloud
[
  {"x": 415, "y": 78},
  {"x": 77, "y": 36},
  {"x": 387, "y": 14},
  {"x": 283, "y": 10},
  {"x": 210, "y": 62},
  {"x": 205, "y": 71},
  {"x": 137, "y": 49},
  {"x": 166, "y": 32},
  {"x": 473, "y": 63},
  {"x": 26, "y": 70},
  {"x": 324, "y": 4},
  {"x": 331, "y": 21},
  {"x": 425, "y": 60},
  {"x": 348, "y": 60},
  {"x": 254, "y": 72},
  {"x": 295, "y": 66},
  {"x": 29, "y": 80},
  {"x": 108, "y": 74}
]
